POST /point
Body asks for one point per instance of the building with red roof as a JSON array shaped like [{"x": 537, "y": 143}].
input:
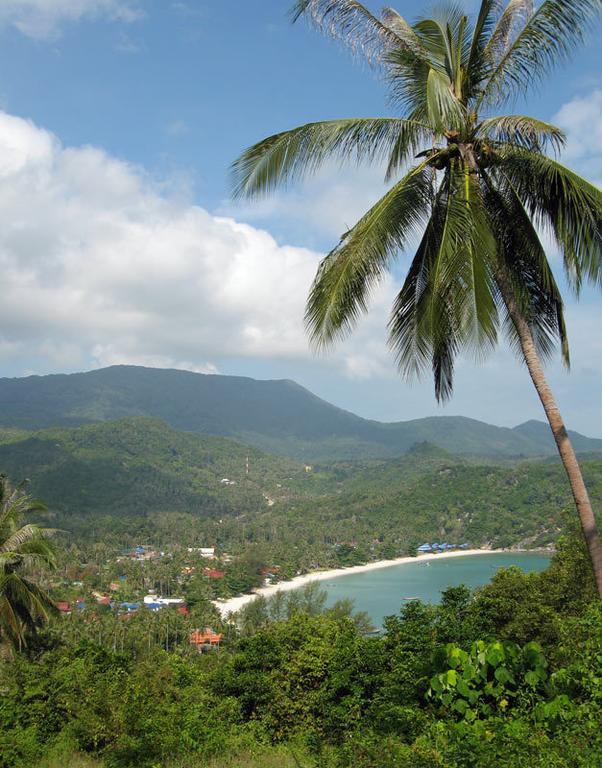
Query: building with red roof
[
  {"x": 204, "y": 639},
  {"x": 213, "y": 573}
]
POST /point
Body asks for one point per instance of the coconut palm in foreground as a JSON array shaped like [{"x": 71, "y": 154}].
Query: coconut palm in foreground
[
  {"x": 24, "y": 549},
  {"x": 480, "y": 188}
]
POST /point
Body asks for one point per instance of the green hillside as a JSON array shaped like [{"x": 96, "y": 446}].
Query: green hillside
[
  {"x": 278, "y": 416},
  {"x": 539, "y": 434},
  {"x": 129, "y": 469},
  {"x": 141, "y": 478}
]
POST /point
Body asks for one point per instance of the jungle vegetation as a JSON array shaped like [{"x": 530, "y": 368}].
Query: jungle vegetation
[{"x": 508, "y": 675}]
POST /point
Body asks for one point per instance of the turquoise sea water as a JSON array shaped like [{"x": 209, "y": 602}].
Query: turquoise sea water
[{"x": 381, "y": 593}]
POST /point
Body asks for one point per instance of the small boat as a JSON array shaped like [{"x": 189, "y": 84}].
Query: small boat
[{"x": 410, "y": 598}]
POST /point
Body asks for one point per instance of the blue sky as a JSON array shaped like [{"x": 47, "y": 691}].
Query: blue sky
[{"x": 121, "y": 244}]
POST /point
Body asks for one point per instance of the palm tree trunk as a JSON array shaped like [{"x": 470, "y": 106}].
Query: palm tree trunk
[{"x": 563, "y": 443}]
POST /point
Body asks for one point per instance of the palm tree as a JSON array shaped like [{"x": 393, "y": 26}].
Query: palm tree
[
  {"x": 24, "y": 549},
  {"x": 481, "y": 188}
]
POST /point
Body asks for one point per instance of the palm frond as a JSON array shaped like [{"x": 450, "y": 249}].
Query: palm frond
[
  {"x": 545, "y": 40},
  {"x": 445, "y": 111},
  {"x": 14, "y": 503},
  {"x": 407, "y": 78},
  {"x": 10, "y": 624},
  {"x": 404, "y": 147},
  {"x": 446, "y": 38},
  {"x": 565, "y": 204},
  {"x": 288, "y": 156},
  {"x": 485, "y": 22},
  {"x": 27, "y": 599},
  {"x": 23, "y": 608},
  {"x": 340, "y": 291},
  {"x": 405, "y": 32},
  {"x": 524, "y": 266},
  {"x": 23, "y": 605},
  {"x": 428, "y": 46},
  {"x": 511, "y": 22},
  {"x": 451, "y": 36},
  {"x": 26, "y": 562},
  {"x": 352, "y": 24},
  {"x": 19, "y": 538},
  {"x": 523, "y": 131},
  {"x": 448, "y": 299},
  {"x": 39, "y": 551},
  {"x": 415, "y": 339}
]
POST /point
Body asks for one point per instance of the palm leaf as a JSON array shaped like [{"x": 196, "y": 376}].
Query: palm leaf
[
  {"x": 288, "y": 156},
  {"x": 405, "y": 32},
  {"x": 14, "y": 503},
  {"x": 483, "y": 27},
  {"x": 23, "y": 605},
  {"x": 403, "y": 147},
  {"x": 547, "y": 39},
  {"x": 340, "y": 291},
  {"x": 10, "y": 624},
  {"x": 445, "y": 111},
  {"x": 448, "y": 299},
  {"x": 511, "y": 22},
  {"x": 19, "y": 538},
  {"x": 564, "y": 203},
  {"x": 409, "y": 336},
  {"x": 522, "y": 131},
  {"x": 351, "y": 23},
  {"x": 525, "y": 268},
  {"x": 407, "y": 78}
]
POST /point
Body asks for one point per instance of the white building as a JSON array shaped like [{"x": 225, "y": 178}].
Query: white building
[
  {"x": 203, "y": 551},
  {"x": 156, "y": 600}
]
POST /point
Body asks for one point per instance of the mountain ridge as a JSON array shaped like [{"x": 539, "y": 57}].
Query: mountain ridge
[{"x": 277, "y": 415}]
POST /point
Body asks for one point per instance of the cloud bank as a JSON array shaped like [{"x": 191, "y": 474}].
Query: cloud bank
[
  {"x": 581, "y": 119},
  {"x": 100, "y": 266}
]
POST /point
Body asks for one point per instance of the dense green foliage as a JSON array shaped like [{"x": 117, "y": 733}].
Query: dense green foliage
[
  {"x": 278, "y": 416},
  {"x": 24, "y": 551},
  {"x": 134, "y": 467},
  {"x": 507, "y": 676},
  {"x": 138, "y": 481}
]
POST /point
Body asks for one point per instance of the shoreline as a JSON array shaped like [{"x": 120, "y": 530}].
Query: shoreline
[{"x": 234, "y": 604}]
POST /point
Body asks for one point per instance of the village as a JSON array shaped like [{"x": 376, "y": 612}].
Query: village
[
  {"x": 188, "y": 582},
  {"x": 184, "y": 581}
]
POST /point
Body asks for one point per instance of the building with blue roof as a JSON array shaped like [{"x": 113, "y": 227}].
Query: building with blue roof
[{"x": 130, "y": 607}]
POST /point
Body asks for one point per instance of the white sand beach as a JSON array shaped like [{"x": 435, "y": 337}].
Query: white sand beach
[{"x": 234, "y": 604}]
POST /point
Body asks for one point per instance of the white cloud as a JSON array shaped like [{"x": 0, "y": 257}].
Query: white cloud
[
  {"x": 43, "y": 18},
  {"x": 100, "y": 265},
  {"x": 103, "y": 356},
  {"x": 581, "y": 119},
  {"x": 328, "y": 204}
]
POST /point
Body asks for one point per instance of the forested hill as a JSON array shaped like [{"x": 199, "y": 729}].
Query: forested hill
[
  {"x": 138, "y": 478},
  {"x": 279, "y": 416},
  {"x": 130, "y": 468}
]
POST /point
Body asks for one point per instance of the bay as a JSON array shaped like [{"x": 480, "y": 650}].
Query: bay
[{"x": 382, "y": 592}]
